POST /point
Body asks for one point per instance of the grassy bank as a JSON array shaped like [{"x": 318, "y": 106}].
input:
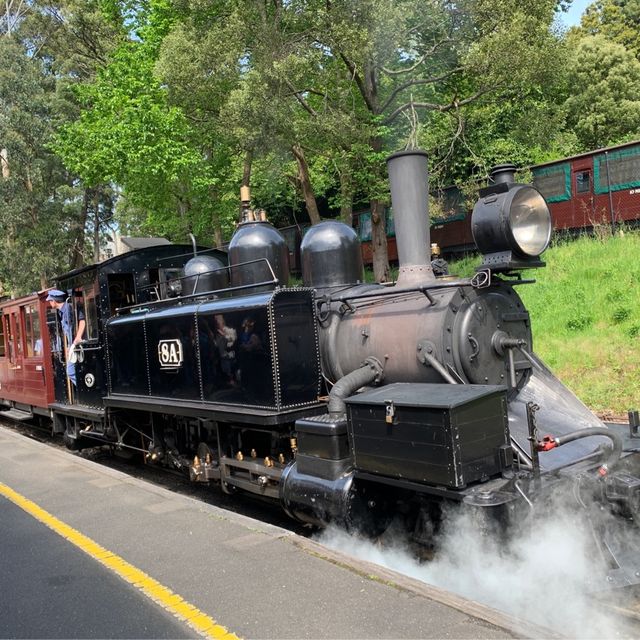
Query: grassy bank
[{"x": 585, "y": 313}]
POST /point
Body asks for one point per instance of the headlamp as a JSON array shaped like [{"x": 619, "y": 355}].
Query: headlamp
[{"x": 511, "y": 226}]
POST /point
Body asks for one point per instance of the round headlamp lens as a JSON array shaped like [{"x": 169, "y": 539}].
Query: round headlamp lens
[{"x": 530, "y": 221}]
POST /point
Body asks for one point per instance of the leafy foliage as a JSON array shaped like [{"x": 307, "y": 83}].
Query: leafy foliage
[
  {"x": 167, "y": 107},
  {"x": 37, "y": 197},
  {"x": 605, "y": 107}
]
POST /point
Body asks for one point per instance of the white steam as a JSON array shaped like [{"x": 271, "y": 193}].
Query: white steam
[{"x": 542, "y": 575}]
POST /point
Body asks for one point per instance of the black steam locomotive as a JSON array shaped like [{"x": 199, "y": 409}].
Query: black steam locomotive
[{"x": 344, "y": 401}]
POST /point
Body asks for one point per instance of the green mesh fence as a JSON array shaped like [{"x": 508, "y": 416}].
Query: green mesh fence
[
  {"x": 554, "y": 183},
  {"x": 624, "y": 170}
]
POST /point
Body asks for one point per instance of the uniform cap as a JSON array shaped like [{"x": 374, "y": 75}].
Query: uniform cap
[{"x": 56, "y": 295}]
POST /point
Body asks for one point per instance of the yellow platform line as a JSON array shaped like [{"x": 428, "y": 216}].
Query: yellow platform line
[{"x": 151, "y": 588}]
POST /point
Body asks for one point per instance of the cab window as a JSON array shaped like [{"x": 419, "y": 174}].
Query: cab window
[{"x": 88, "y": 304}]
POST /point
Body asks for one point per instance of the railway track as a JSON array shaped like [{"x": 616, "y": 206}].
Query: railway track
[{"x": 622, "y": 606}]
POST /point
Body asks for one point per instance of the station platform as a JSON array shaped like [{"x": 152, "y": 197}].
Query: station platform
[{"x": 182, "y": 568}]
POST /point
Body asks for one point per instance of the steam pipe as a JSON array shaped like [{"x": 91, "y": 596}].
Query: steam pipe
[
  {"x": 195, "y": 246},
  {"x": 549, "y": 442},
  {"x": 371, "y": 371}
]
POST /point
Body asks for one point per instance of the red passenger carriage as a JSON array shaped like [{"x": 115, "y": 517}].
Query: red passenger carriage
[
  {"x": 26, "y": 381},
  {"x": 590, "y": 189}
]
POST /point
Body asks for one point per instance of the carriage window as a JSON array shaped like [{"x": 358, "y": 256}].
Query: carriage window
[
  {"x": 90, "y": 313},
  {"x": 2, "y": 349},
  {"x": 364, "y": 227},
  {"x": 33, "y": 333},
  {"x": 18, "y": 334},
  {"x": 9, "y": 337},
  {"x": 583, "y": 182}
]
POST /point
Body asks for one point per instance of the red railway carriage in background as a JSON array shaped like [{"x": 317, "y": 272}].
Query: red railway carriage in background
[
  {"x": 595, "y": 188},
  {"x": 582, "y": 191},
  {"x": 26, "y": 381}
]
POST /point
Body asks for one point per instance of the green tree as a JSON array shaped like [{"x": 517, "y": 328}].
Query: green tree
[
  {"x": 406, "y": 63},
  {"x": 311, "y": 95},
  {"x": 604, "y": 107},
  {"x": 130, "y": 134},
  {"x": 39, "y": 208},
  {"x": 616, "y": 20}
]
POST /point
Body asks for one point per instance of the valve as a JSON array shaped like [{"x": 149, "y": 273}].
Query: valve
[{"x": 547, "y": 443}]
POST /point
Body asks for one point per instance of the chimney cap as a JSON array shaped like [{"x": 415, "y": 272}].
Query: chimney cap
[
  {"x": 408, "y": 152},
  {"x": 503, "y": 173}
]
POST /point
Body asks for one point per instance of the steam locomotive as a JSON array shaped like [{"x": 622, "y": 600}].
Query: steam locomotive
[{"x": 339, "y": 400}]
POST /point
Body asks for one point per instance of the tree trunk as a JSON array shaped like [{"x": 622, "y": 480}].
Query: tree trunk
[
  {"x": 4, "y": 163},
  {"x": 305, "y": 182},
  {"x": 346, "y": 198},
  {"x": 96, "y": 227},
  {"x": 77, "y": 259},
  {"x": 245, "y": 212},
  {"x": 381, "y": 271},
  {"x": 246, "y": 168},
  {"x": 346, "y": 212},
  {"x": 217, "y": 234}
]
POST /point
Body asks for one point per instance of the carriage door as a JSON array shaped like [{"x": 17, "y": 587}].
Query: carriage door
[
  {"x": 16, "y": 352},
  {"x": 7, "y": 348},
  {"x": 583, "y": 201}
]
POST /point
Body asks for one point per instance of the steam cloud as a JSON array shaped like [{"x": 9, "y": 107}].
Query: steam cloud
[{"x": 541, "y": 574}]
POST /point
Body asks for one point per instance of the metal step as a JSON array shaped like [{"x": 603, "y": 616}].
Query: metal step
[{"x": 16, "y": 414}]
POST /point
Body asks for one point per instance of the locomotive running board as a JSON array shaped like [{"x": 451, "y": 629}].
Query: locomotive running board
[{"x": 212, "y": 410}]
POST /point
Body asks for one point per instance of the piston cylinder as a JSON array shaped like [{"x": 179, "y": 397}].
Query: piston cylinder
[{"x": 314, "y": 500}]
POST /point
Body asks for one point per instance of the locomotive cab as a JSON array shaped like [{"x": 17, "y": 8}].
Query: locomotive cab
[{"x": 92, "y": 295}]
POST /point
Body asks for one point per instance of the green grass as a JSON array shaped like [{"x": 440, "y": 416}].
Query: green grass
[{"x": 585, "y": 315}]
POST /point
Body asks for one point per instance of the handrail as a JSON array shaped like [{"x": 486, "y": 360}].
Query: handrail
[{"x": 180, "y": 299}]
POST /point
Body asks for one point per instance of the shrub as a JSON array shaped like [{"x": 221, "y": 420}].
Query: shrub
[
  {"x": 633, "y": 331},
  {"x": 620, "y": 314},
  {"x": 579, "y": 321}
]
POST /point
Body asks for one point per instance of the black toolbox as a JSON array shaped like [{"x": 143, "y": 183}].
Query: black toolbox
[{"x": 441, "y": 434}]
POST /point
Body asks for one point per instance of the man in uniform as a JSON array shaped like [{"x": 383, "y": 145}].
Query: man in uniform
[{"x": 59, "y": 301}]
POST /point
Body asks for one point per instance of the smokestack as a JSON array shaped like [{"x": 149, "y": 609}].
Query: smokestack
[
  {"x": 410, "y": 200},
  {"x": 503, "y": 173}
]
